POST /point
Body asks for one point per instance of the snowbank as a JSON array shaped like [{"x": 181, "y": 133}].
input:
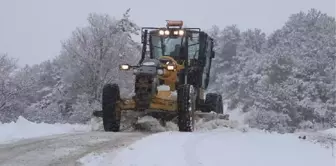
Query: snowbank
[
  {"x": 324, "y": 138},
  {"x": 22, "y": 129},
  {"x": 331, "y": 132},
  {"x": 218, "y": 147}
]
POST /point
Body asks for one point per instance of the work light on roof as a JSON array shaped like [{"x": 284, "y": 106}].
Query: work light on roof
[
  {"x": 161, "y": 32},
  {"x": 181, "y": 32}
]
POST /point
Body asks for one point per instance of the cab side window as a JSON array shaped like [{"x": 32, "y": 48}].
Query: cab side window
[
  {"x": 193, "y": 46},
  {"x": 208, "y": 55},
  {"x": 207, "y": 61}
]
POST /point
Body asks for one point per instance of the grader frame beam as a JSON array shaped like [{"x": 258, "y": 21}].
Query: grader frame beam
[{"x": 157, "y": 104}]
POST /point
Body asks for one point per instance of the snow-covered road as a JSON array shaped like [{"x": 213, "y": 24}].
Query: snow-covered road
[
  {"x": 25, "y": 143},
  {"x": 218, "y": 148},
  {"x": 63, "y": 149},
  {"x": 215, "y": 143}
]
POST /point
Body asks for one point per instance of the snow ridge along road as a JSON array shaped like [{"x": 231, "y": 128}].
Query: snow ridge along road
[{"x": 63, "y": 149}]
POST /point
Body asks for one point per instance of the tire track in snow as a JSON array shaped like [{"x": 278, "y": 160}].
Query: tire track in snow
[
  {"x": 64, "y": 149},
  {"x": 192, "y": 145},
  {"x": 12, "y": 150},
  {"x": 190, "y": 149}
]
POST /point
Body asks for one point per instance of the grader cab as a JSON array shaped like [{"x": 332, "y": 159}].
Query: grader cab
[{"x": 170, "y": 78}]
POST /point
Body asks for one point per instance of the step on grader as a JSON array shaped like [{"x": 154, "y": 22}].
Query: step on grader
[{"x": 170, "y": 79}]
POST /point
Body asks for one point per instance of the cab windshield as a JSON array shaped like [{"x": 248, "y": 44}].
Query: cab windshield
[
  {"x": 166, "y": 45},
  {"x": 171, "y": 45}
]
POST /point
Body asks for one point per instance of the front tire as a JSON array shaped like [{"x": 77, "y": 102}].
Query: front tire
[
  {"x": 111, "y": 112},
  {"x": 186, "y": 104}
]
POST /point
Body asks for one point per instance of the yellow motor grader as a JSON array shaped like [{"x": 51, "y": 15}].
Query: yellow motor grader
[{"x": 170, "y": 79}]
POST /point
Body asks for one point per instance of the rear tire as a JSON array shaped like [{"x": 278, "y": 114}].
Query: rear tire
[
  {"x": 214, "y": 102},
  {"x": 186, "y": 104},
  {"x": 111, "y": 112}
]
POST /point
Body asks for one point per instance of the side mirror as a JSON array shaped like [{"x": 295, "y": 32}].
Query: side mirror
[{"x": 212, "y": 54}]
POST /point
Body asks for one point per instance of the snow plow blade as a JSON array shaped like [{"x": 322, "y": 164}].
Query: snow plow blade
[
  {"x": 143, "y": 121},
  {"x": 207, "y": 116},
  {"x": 211, "y": 116}
]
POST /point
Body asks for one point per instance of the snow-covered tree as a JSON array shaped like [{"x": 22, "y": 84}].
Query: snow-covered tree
[
  {"x": 235, "y": 69},
  {"x": 71, "y": 84},
  {"x": 13, "y": 88},
  {"x": 95, "y": 52},
  {"x": 7, "y": 90},
  {"x": 290, "y": 73}
]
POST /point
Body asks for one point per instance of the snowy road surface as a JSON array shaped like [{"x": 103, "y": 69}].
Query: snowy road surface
[
  {"x": 62, "y": 150},
  {"x": 224, "y": 147},
  {"x": 215, "y": 143}
]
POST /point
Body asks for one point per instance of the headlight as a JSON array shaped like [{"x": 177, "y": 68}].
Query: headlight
[
  {"x": 176, "y": 32},
  {"x": 161, "y": 32},
  {"x": 124, "y": 67},
  {"x": 170, "y": 67},
  {"x": 160, "y": 71},
  {"x": 166, "y": 32}
]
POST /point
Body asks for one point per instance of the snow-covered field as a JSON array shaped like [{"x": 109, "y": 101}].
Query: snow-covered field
[{"x": 23, "y": 129}]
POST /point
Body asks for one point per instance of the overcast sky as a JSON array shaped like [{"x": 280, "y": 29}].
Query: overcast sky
[{"x": 31, "y": 30}]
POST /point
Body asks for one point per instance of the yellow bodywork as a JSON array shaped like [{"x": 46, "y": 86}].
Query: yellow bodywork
[
  {"x": 170, "y": 77},
  {"x": 164, "y": 99}
]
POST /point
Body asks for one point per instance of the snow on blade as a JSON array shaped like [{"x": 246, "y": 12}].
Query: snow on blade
[
  {"x": 220, "y": 147},
  {"x": 23, "y": 129}
]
